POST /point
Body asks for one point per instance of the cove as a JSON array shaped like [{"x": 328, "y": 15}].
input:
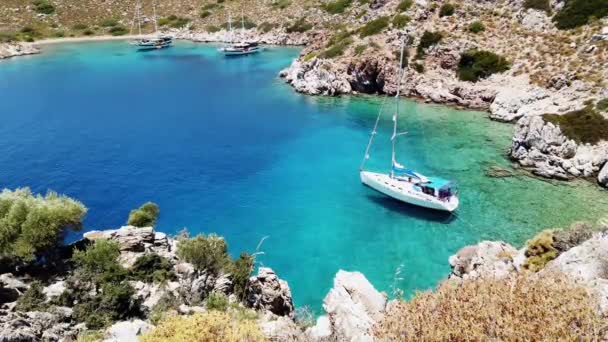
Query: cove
[{"x": 224, "y": 146}]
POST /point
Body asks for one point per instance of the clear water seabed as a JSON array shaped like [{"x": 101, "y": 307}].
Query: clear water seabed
[{"x": 222, "y": 145}]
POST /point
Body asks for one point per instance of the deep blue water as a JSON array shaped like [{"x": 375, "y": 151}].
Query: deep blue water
[{"x": 222, "y": 145}]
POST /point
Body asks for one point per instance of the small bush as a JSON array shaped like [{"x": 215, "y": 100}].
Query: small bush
[
  {"x": 241, "y": 270},
  {"x": 337, "y": 44},
  {"x": 144, "y": 216},
  {"x": 266, "y": 27},
  {"x": 173, "y": 21},
  {"x": 522, "y": 308},
  {"x": 98, "y": 263},
  {"x": 88, "y": 32},
  {"x": 210, "y": 326},
  {"x": 7, "y": 37},
  {"x": 359, "y": 49},
  {"x": 300, "y": 25},
  {"x": 205, "y": 14},
  {"x": 152, "y": 267},
  {"x": 34, "y": 225},
  {"x": 205, "y": 253},
  {"x": 577, "y": 13},
  {"x": 44, "y": 7},
  {"x": 118, "y": 30},
  {"x": 80, "y": 27},
  {"x": 446, "y": 10},
  {"x": 109, "y": 22},
  {"x": 542, "y": 5},
  {"x": 33, "y": 299},
  {"x": 217, "y": 301},
  {"x": 400, "y": 20},
  {"x": 404, "y": 5},
  {"x": 583, "y": 126},
  {"x": 168, "y": 302},
  {"x": 476, "y": 27},
  {"x": 337, "y": 6},
  {"x": 208, "y": 7},
  {"x": 212, "y": 28},
  {"x": 418, "y": 67},
  {"x": 281, "y": 4},
  {"x": 477, "y": 64},
  {"x": 602, "y": 105},
  {"x": 374, "y": 27},
  {"x": 540, "y": 251},
  {"x": 427, "y": 40}
]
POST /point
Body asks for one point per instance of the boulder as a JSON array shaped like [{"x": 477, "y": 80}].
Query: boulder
[
  {"x": 129, "y": 238},
  {"x": 602, "y": 177},
  {"x": 54, "y": 290},
  {"x": 353, "y": 306},
  {"x": 487, "y": 259},
  {"x": 321, "y": 330},
  {"x": 281, "y": 329},
  {"x": 127, "y": 331},
  {"x": 15, "y": 49},
  {"x": 266, "y": 291}
]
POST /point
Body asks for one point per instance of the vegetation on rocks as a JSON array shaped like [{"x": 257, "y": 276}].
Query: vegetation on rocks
[
  {"x": 477, "y": 27},
  {"x": 400, "y": 20},
  {"x": 374, "y": 27},
  {"x": 584, "y": 126},
  {"x": 337, "y": 44},
  {"x": 542, "y": 5},
  {"x": 404, "y": 5},
  {"x": 540, "y": 251},
  {"x": 576, "y": 13},
  {"x": 447, "y": 10},
  {"x": 427, "y": 40},
  {"x": 33, "y": 299},
  {"x": 173, "y": 21},
  {"x": 477, "y": 64},
  {"x": 152, "y": 267},
  {"x": 217, "y": 301},
  {"x": 43, "y": 7},
  {"x": 210, "y": 326},
  {"x": 602, "y": 105},
  {"x": 511, "y": 309},
  {"x": 144, "y": 216},
  {"x": 209, "y": 253},
  {"x": 34, "y": 225},
  {"x": 337, "y": 6},
  {"x": 300, "y": 25}
]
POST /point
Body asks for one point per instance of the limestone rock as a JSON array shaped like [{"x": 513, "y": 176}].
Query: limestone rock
[
  {"x": 535, "y": 20},
  {"x": 54, "y": 289},
  {"x": 353, "y": 306},
  {"x": 127, "y": 331},
  {"x": 267, "y": 292},
  {"x": 321, "y": 330},
  {"x": 15, "y": 49},
  {"x": 487, "y": 259},
  {"x": 281, "y": 329},
  {"x": 129, "y": 238},
  {"x": 316, "y": 77}
]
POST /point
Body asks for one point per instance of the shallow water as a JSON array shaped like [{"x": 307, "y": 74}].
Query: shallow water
[{"x": 222, "y": 145}]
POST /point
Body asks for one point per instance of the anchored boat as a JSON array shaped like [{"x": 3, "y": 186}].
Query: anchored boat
[
  {"x": 240, "y": 48},
  {"x": 404, "y": 184},
  {"x": 157, "y": 40}
]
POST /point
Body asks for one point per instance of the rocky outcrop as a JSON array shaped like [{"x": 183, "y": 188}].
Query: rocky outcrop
[
  {"x": 546, "y": 151},
  {"x": 315, "y": 77},
  {"x": 352, "y": 307},
  {"x": 267, "y": 292},
  {"x": 273, "y": 37},
  {"x": 602, "y": 177},
  {"x": 487, "y": 259},
  {"x": 127, "y": 331},
  {"x": 37, "y": 326},
  {"x": 587, "y": 264},
  {"x": 15, "y": 49}
]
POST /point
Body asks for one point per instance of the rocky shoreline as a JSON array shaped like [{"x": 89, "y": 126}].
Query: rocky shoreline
[{"x": 8, "y": 50}]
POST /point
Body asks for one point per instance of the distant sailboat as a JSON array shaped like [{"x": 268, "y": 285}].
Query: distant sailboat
[
  {"x": 404, "y": 184},
  {"x": 240, "y": 48},
  {"x": 156, "y": 41}
]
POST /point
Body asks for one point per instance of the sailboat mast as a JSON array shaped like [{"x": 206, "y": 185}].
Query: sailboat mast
[
  {"x": 242, "y": 21},
  {"x": 396, "y": 115},
  {"x": 155, "y": 21}
]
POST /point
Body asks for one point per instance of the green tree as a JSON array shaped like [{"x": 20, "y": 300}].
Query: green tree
[
  {"x": 205, "y": 253},
  {"x": 33, "y": 299},
  {"x": 33, "y": 225},
  {"x": 446, "y": 10},
  {"x": 241, "y": 270},
  {"x": 145, "y": 216},
  {"x": 477, "y": 64},
  {"x": 152, "y": 267},
  {"x": 99, "y": 262}
]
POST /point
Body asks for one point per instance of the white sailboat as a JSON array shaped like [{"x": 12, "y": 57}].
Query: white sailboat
[
  {"x": 240, "y": 48},
  {"x": 156, "y": 41},
  {"x": 402, "y": 183}
]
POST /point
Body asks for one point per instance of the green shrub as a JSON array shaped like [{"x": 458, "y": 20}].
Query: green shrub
[
  {"x": 167, "y": 302},
  {"x": 205, "y": 14},
  {"x": 300, "y": 25},
  {"x": 112, "y": 303},
  {"x": 359, "y": 49},
  {"x": 602, "y": 105},
  {"x": 208, "y": 7},
  {"x": 418, "y": 67},
  {"x": 477, "y": 64},
  {"x": 427, "y": 40},
  {"x": 152, "y": 267},
  {"x": 217, "y": 301},
  {"x": 241, "y": 270},
  {"x": 44, "y": 7},
  {"x": 98, "y": 263},
  {"x": 118, "y": 30},
  {"x": 339, "y": 43},
  {"x": 212, "y": 28},
  {"x": 540, "y": 251},
  {"x": 59, "y": 34},
  {"x": 404, "y": 5},
  {"x": 583, "y": 126},
  {"x": 266, "y": 27},
  {"x": 374, "y": 27},
  {"x": 542, "y": 5},
  {"x": 476, "y": 27},
  {"x": 80, "y": 27},
  {"x": 109, "y": 22},
  {"x": 400, "y": 20},
  {"x": 310, "y": 56},
  {"x": 144, "y": 216},
  {"x": 446, "y": 10},
  {"x": 248, "y": 23},
  {"x": 34, "y": 225},
  {"x": 337, "y": 6},
  {"x": 281, "y": 4},
  {"x": 173, "y": 21},
  {"x": 7, "y": 37},
  {"x": 88, "y": 32},
  {"x": 576, "y": 13},
  {"x": 205, "y": 253},
  {"x": 33, "y": 299}
]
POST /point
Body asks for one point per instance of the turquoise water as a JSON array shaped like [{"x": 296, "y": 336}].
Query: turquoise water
[{"x": 222, "y": 145}]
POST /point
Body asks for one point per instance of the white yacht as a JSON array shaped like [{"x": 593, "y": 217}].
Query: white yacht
[
  {"x": 402, "y": 183},
  {"x": 155, "y": 41},
  {"x": 239, "y": 48}
]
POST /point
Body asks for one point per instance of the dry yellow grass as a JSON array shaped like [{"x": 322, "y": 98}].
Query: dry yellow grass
[
  {"x": 523, "y": 308},
  {"x": 213, "y": 326}
]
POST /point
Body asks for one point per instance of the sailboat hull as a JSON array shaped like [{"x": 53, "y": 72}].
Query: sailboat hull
[{"x": 406, "y": 192}]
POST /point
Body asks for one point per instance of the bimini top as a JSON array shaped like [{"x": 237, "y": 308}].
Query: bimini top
[{"x": 439, "y": 183}]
